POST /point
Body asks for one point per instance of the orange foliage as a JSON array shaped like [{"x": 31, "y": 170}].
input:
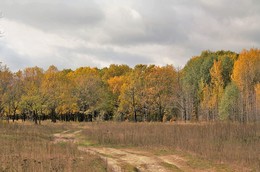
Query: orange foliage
[{"x": 247, "y": 68}]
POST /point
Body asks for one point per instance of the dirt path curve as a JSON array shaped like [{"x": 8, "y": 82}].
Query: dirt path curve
[
  {"x": 66, "y": 136},
  {"x": 118, "y": 159}
]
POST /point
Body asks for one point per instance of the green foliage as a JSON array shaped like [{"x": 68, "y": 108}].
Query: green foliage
[
  {"x": 228, "y": 61},
  {"x": 206, "y": 66},
  {"x": 228, "y": 102},
  {"x": 197, "y": 79},
  {"x": 201, "y": 90}
]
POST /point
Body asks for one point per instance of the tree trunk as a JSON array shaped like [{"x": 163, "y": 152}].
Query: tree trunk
[
  {"x": 53, "y": 115},
  {"x": 35, "y": 117},
  {"x": 135, "y": 115},
  {"x": 160, "y": 114}
]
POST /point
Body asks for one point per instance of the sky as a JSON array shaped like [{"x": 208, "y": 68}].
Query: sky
[{"x": 97, "y": 33}]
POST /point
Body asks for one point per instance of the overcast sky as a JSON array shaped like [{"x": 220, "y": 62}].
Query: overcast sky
[{"x": 74, "y": 33}]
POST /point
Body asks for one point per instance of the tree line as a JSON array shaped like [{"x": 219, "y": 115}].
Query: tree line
[{"x": 220, "y": 85}]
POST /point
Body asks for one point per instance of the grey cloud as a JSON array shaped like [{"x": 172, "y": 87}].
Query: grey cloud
[
  {"x": 53, "y": 15},
  {"x": 159, "y": 23},
  {"x": 12, "y": 59},
  {"x": 107, "y": 55},
  {"x": 222, "y": 9},
  {"x": 184, "y": 27}
]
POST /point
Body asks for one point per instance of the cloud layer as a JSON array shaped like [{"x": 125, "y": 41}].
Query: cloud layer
[{"x": 70, "y": 34}]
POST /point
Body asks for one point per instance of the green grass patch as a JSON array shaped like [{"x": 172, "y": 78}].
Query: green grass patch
[
  {"x": 63, "y": 144},
  {"x": 129, "y": 168},
  {"x": 170, "y": 167},
  {"x": 203, "y": 164},
  {"x": 86, "y": 143}
]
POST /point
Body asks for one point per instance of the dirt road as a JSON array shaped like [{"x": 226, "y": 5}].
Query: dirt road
[{"x": 128, "y": 159}]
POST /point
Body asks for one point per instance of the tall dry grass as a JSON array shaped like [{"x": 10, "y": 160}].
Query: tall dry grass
[
  {"x": 222, "y": 142},
  {"x": 26, "y": 147}
]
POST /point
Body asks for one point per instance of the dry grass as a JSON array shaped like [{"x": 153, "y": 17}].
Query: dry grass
[
  {"x": 26, "y": 147},
  {"x": 221, "y": 142}
]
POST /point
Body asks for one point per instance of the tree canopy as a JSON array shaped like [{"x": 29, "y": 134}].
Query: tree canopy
[{"x": 219, "y": 85}]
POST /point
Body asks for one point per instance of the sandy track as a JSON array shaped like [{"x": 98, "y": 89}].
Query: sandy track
[{"x": 116, "y": 159}]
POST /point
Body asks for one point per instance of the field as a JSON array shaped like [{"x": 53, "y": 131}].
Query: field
[
  {"x": 111, "y": 146},
  {"x": 27, "y": 147}
]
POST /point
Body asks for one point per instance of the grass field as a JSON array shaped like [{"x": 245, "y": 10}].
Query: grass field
[
  {"x": 223, "y": 143},
  {"x": 27, "y": 147},
  {"x": 218, "y": 146}
]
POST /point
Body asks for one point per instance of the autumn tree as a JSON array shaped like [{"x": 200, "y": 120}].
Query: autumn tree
[
  {"x": 217, "y": 87},
  {"x": 14, "y": 94},
  {"x": 32, "y": 101},
  {"x": 202, "y": 90},
  {"x": 227, "y": 62},
  {"x": 197, "y": 82},
  {"x": 130, "y": 95},
  {"x": 114, "y": 70},
  {"x": 113, "y": 77},
  {"x": 51, "y": 91},
  {"x": 67, "y": 106},
  {"x": 148, "y": 93},
  {"x": 246, "y": 75},
  {"x": 5, "y": 82},
  {"x": 88, "y": 91},
  {"x": 115, "y": 85},
  {"x": 161, "y": 86}
]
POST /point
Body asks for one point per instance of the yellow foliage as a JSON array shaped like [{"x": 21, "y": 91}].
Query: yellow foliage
[
  {"x": 246, "y": 71},
  {"x": 116, "y": 83},
  {"x": 217, "y": 83}
]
